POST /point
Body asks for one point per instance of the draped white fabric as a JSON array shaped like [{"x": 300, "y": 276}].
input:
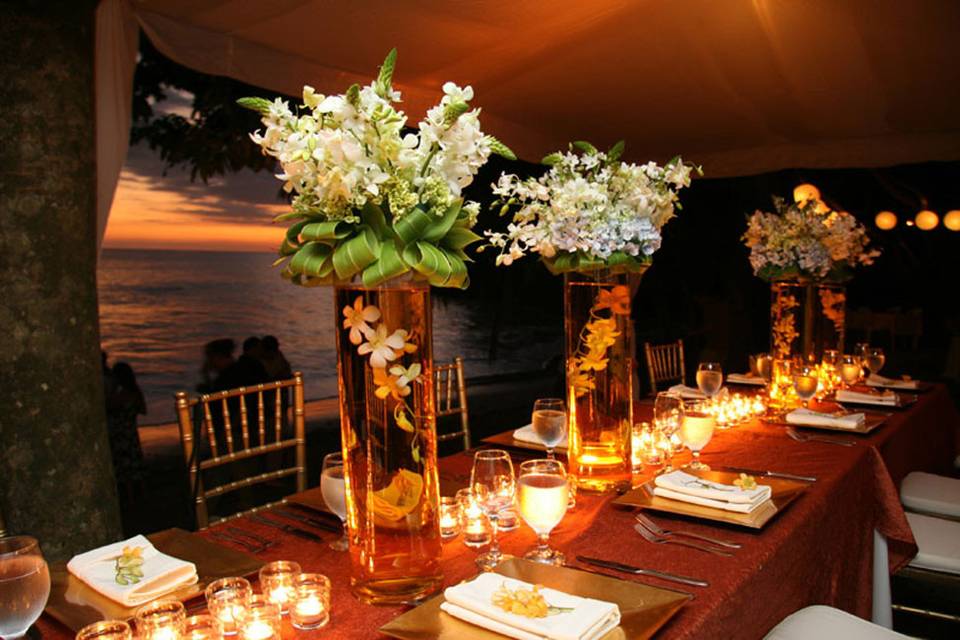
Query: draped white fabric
[{"x": 739, "y": 86}]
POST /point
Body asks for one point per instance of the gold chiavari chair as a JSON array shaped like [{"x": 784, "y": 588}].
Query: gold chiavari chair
[
  {"x": 665, "y": 363},
  {"x": 3, "y": 526},
  {"x": 217, "y": 414},
  {"x": 449, "y": 403}
]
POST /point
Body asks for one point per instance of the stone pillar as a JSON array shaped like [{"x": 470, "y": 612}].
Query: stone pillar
[{"x": 56, "y": 477}]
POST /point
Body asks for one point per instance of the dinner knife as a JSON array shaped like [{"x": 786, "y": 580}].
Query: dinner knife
[
  {"x": 626, "y": 568},
  {"x": 297, "y": 531},
  {"x": 313, "y": 522},
  {"x": 771, "y": 474}
]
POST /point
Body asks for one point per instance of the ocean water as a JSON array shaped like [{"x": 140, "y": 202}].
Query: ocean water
[{"x": 158, "y": 309}]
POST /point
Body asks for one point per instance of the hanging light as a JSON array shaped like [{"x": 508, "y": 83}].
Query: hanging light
[
  {"x": 886, "y": 220},
  {"x": 927, "y": 220},
  {"x": 822, "y": 208},
  {"x": 952, "y": 220},
  {"x": 804, "y": 192}
]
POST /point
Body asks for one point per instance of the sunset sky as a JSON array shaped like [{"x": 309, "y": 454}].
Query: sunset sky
[{"x": 155, "y": 211}]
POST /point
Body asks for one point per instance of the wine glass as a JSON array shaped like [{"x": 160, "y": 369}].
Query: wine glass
[
  {"x": 696, "y": 429},
  {"x": 542, "y": 485},
  {"x": 764, "y": 362},
  {"x": 334, "y": 494},
  {"x": 830, "y": 357},
  {"x": 850, "y": 369},
  {"x": 875, "y": 359},
  {"x": 550, "y": 422},
  {"x": 24, "y": 585},
  {"x": 493, "y": 488},
  {"x": 709, "y": 378},
  {"x": 667, "y": 415},
  {"x": 805, "y": 382}
]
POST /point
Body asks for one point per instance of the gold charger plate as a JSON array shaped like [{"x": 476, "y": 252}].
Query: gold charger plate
[
  {"x": 783, "y": 492},
  {"x": 506, "y": 439},
  {"x": 873, "y": 420},
  {"x": 76, "y": 605},
  {"x": 643, "y": 609}
]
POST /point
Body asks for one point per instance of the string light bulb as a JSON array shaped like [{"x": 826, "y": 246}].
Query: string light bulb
[
  {"x": 804, "y": 192},
  {"x": 952, "y": 220},
  {"x": 927, "y": 220},
  {"x": 886, "y": 220}
]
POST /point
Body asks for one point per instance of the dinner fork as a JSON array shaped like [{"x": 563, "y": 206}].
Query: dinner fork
[
  {"x": 265, "y": 543},
  {"x": 802, "y": 437},
  {"x": 656, "y": 529},
  {"x": 649, "y": 536},
  {"x": 246, "y": 544}
]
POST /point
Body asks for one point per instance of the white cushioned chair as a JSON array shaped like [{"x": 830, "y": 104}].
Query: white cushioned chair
[
  {"x": 826, "y": 623},
  {"x": 938, "y": 541},
  {"x": 933, "y": 494}
]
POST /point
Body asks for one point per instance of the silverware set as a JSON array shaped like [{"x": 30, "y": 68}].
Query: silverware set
[
  {"x": 640, "y": 571},
  {"x": 656, "y": 529},
  {"x": 660, "y": 538},
  {"x": 241, "y": 541},
  {"x": 804, "y": 437}
]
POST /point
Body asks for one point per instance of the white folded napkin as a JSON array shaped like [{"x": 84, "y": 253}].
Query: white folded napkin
[
  {"x": 679, "y": 485},
  {"x": 803, "y": 417},
  {"x": 527, "y": 434},
  {"x": 472, "y": 601},
  {"x": 887, "y": 398},
  {"x": 161, "y": 573},
  {"x": 876, "y": 380},
  {"x": 745, "y": 378},
  {"x": 687, "y": 393}
]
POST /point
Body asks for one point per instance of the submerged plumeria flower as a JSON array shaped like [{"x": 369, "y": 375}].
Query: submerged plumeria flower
[
  {"x": 616, "y": 299},
  {"x": 601, "y": 334},
  {"x": 382, "y": 347},
  {"x": 356, "y": 318}
]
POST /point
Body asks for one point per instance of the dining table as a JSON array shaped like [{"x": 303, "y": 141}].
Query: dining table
[{"x": 817, "y": 550}]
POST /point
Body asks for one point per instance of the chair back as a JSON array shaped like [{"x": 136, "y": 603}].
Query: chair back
[
  {"x": 451, "y": 399},
  {"x": 665, "y": 363},
  {"x": 261, "y": 411},
  {"x": 3, "y": 527}
]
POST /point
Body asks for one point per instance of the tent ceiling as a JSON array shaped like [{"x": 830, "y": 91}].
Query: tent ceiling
[{"x": 739, "y": 86}]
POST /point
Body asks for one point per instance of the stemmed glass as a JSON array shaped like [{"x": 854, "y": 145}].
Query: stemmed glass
[
  {"x": 550, "y": 422},
  {"x": 335, "y": 495},
  {"x": 709, "y": 378},
  {"x": 874, "y": 359},
  {"x": 542, "y": 486},
  {"x": 805, "y": 382},
  {"x": 667, "y": 416},
  {"x": 24, "y": 585},
  {"x": 764, "y": 363},
  {"x": 696, "y": 429},
  {"x": 493, "y": 487},
  {"x": 850, "y": 369}
]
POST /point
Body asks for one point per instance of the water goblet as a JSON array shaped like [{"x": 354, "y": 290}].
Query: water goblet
[
  {"x": 805, "y": 382},
  {"x": 696, "y": 430},
  {"x": 764, "y": 363},
  {"x": 24, "y": 585},
  {"x": 667, "y": 416},
  {"x": 875, "y": 359},
  {"x": 550, "y": 422},
  {"x": 542, "y": 485},
  {"x": 493, "y": 487},
  {"x": 831, "y": 357},
  {"x": 709, "y": 378},
  {"x": 334, "y": 494},
  {"x": 850, "y": 369}
]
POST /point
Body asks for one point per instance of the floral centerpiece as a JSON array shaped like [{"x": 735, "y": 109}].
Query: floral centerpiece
[
  {"x": 597, "y": 220},
  {"x": 806, "y": 251},
  {"x": 377, "y": 211}
]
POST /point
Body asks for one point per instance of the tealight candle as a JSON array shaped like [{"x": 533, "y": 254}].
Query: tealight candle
[
  {"x": 106, "y": 630},
  {"x": 476, "y": 526},
  {"x": 161, "y": 620},
  {"x": 311, "y": 605},
  {"x": 449, "y": 517},
  {"x": 226, "y": 600},
  {"x": 639, "y": 437},
  {"x": 276, "y": 582},
  {"x": 202, "y": 627},
  {"x": 260, "y": 620}
]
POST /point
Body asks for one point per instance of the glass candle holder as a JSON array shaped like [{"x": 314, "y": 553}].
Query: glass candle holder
[
  {"x": 202, "y": 627},
  {"x": 637, "y": 446},
  {"x": 311, "y": 605},
  {"x": 161, "y": 620},
  {"x": 508, "y": 520},
  {"x": 276, "y": 582},
  {"x": 226, "y": 600},
  {"x": 449, "y": 517},
  {"x": 476, "y": 526},
  {"x": 260, "y": 620},
  {"x": 106, "y": 630}
]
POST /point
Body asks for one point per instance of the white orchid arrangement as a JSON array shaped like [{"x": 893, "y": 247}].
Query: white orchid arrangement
[
  {"x": 369, "y": 200},
  {"x": 806, "y": 240},
  {"x": 589, "y": 210}
]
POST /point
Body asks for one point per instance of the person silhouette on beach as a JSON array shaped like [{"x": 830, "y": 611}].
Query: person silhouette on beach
[{"x": 273, "y": 359}]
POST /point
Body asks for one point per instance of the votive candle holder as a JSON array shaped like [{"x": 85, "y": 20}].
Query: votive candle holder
[
  {"x": 202, "y": 627},
  {"x": 449, "y": 517},
  {"x": 106, "y": 630},
  {"x": 276, "y": 582},
  {"x": 476, "y": 525},
  {"x": 260, "y": 619},
  {"x": 161, "y": 620},
  {"x": 226, "y": 600},
  {"x": 311, "y": 604}
]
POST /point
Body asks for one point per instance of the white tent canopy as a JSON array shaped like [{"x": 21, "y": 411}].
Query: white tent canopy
[{"x": 739, "y": 86}]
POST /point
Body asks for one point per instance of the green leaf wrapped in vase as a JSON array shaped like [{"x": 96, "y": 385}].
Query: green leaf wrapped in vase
[
  {"x": 379, "y": 215},
  {"x": 597, "y": 221}
]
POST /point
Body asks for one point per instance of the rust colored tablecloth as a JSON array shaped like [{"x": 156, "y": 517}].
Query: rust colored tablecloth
[{"x": 819, "y": 551}]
